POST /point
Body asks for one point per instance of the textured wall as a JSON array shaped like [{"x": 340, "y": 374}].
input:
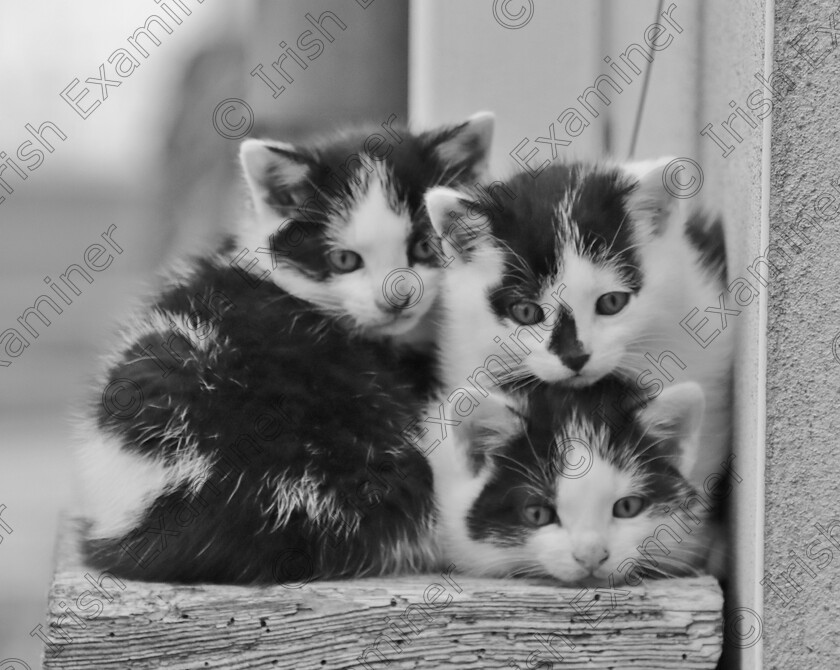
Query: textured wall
[{"x": 802, "y": 376}]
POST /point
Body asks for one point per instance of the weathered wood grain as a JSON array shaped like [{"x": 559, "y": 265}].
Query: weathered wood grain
[{"x": 329, "y": 625}]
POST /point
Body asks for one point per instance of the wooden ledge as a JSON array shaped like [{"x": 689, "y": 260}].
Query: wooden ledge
[{"x": 431, "y": 621}]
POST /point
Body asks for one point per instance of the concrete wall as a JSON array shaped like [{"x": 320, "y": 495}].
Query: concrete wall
[{"x": 803, "y": 360}]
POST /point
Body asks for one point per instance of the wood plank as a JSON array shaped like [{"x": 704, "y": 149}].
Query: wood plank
[{"x": 429, "y": 621}]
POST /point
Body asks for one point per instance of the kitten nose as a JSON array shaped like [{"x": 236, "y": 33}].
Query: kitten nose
[
  {"x": 591, "y": 556},
  {"x": 575, "y": 362}
]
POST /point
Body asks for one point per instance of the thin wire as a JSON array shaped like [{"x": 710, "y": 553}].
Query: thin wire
[{"x": 643, "y": 97}]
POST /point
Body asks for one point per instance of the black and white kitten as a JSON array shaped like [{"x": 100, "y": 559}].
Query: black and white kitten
[
  {"x": 251, "y": 423},
  {"x": 585, "y": 271},
  {"x": 576, "y": 492}
]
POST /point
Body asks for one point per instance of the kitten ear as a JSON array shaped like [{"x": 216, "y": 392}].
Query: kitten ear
[
  {"x": 456, "y": 218},
  {"x": 465, "y": 148},
  {"x": 494, "y": 422},
  {"x": 497, "y": 414},
  {"x": 677, "y": 413},
  {"x": 272, "y": 170},
  {"x": 650, "y": 201}
]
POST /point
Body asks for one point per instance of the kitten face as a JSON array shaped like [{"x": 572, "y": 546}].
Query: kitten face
[
  {"x": 586, "y": 337},
  {"x": 569, "y": 280},
  {"x": 379, "y": 236},
  {"x": 342, "y": 223},
  {"x": 579, "y": 493}
]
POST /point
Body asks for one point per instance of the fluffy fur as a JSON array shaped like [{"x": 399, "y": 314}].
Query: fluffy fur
[
  {"x": 561, "y": 245},
  {"x": 251, "y": 425}
]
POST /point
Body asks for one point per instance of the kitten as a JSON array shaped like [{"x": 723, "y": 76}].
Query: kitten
[
  {"x": 574, "y": 492},
  {"x": 585, "y": 271},
  {"x": 251, "y": 423}
]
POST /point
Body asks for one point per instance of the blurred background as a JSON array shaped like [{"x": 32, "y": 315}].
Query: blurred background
[{"x": 155, "y": 157}]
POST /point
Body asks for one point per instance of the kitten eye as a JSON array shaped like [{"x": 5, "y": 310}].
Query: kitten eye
[
  {"x": 344, "y": 260},
  {"x": 422, "y": 250},
  {"x": 611, "y": 303},
  {"x": 627, "y": 508},
  {"x": 526, "y": 312},
  {"x": 538, "y": 515}
]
